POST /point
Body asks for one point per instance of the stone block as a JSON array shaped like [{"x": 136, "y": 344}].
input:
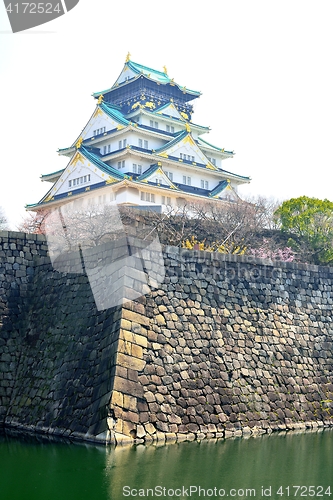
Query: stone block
[
  {"x": 117, "y": 399},
  {"x": 128, "y": 387},
  {"x": 125, "y": 324},
  {"x": 150, "y": 429},
  {"x": 130, "y": 362},
  {"x": 130, "y": 402},
  {"x": 137, "y": 351},
  {"x": 140, "y": 431},
  {"x": 134, "y": 338},
  {"x": 135, "y": 317}
]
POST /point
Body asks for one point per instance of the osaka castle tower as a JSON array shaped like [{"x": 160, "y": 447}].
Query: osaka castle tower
[{"x": 142, "y": 148}]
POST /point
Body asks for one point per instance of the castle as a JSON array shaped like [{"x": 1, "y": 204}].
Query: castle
[{"x": 141, "y": 148}]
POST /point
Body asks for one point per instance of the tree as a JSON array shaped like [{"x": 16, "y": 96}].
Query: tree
[
  {"x": 309, "y": 222},
  {"x": 232, "y": 226},
  {"x": 3, "y": 220},
  {"x": 34, "y": 222}
]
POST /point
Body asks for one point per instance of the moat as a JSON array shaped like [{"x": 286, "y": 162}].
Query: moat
[{"x": 263, "y": 467}]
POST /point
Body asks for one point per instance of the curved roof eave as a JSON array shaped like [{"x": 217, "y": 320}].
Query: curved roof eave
[{"x": 194, "y": 93}]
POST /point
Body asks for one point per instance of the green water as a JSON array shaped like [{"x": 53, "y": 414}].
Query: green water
[{"x": 58, "y": 471}]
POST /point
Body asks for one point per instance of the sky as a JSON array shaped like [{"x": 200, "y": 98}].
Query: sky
[{"x": 264, "y": 69}]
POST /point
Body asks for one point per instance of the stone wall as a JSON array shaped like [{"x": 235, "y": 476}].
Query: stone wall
[
  {"x": 56, "y": 349},
  {"x": 225, "y": 346}
]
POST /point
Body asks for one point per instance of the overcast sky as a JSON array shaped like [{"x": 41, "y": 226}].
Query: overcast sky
[{"x": 264, "y": 69}]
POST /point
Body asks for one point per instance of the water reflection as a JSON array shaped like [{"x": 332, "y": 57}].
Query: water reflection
[
  {"x": 43, "y": 470},
  {"x": 278, "y": 460}
]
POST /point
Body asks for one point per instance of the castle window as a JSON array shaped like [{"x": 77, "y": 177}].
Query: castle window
[
  {"x": 146, "y": 144},
  {"x": 166, "y": 201},
  {"x": 119, "y": 164},
  {"x": 167, "y": 128},
  {"x": 124, "y": 143},
  {"x": 213, "y": 161},
  {"x": 192, "y": 158},
  {"x": 140, "y": 143},
  {"x": 109, "y": 148},
  {"x": 137, "y": 169},
  {"x": 119, "y": 144},
  {"x": 79, "y": 180},
  {"x": 104, "y": 150},
  {"x": 172, "y": 129},
  {"x": 186, "y": 180},
  {"x": 181, "y": 155},
  {"x": 204, "y": 184},
  {"x": 147, "y": 197}
]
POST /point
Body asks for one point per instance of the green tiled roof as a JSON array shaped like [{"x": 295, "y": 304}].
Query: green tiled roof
[
  {"x": 178, "y": 138},
  {"x": 114, "y": 113},
  {"x": 153, "y": 74}
]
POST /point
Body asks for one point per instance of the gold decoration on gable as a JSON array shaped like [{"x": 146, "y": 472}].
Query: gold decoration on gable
[
  {"x": 165, "y": 70},
  {"x": 100, "y": 99},
  {"x": 187, "y": 126},
  {"x": 110, "y": 180},
  {"x": 184, "y": 115},
  {"x": 150, "y": 105},
  {"x": 79, "y": 143},
  {"x": 78, "y": 157},
  {"x": 128, "y": 57},
  {"x": 165, "y": 155},
  {"x": 97, "y": 112},
  {"x": 119, "y": 127},
  {"x": 49, "y": 198},
  {"x": 189, "y": 139}
]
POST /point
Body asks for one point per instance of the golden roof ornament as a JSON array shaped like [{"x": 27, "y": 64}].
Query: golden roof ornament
[
  {"x": 188, "y": 128},
  {"x": 128, "y": 57},
  {"x": 79, "y": 143},
  {"x": 100, "y": 99},
  {"x": 165, "y": 70}
]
